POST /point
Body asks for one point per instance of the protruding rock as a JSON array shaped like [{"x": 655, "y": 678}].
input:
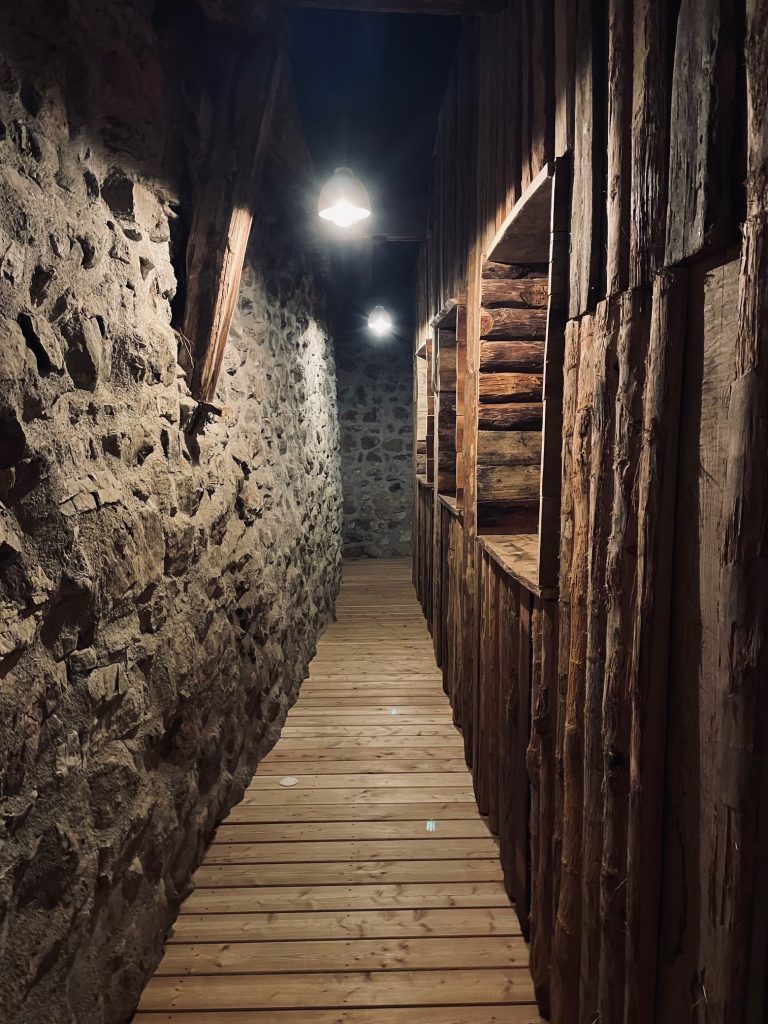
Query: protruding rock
[
  {"x": 43, "y": 342},
  {"x": 85, "y": 358}
]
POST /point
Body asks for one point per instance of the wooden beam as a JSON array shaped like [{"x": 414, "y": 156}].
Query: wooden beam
[
  {"x": 442, "y": 7},
  {"x": 223, "y": 214}
]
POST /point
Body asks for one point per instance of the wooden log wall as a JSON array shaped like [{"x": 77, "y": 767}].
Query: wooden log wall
[
  {"x": 618, "y": 732},
  {"x": 511, "y": 370}
]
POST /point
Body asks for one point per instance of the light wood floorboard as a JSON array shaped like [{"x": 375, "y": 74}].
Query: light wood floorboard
[{"x": 356, "y": 882}]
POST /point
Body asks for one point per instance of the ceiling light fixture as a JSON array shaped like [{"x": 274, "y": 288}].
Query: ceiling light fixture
[
  {"x": 343, "y": 199},
  {"x": 379, "y": 321}
]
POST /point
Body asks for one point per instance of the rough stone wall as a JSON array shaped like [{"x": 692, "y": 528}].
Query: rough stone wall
[
  {"x": 375, "y": 398},
  {"x": 161, "y": 591}
]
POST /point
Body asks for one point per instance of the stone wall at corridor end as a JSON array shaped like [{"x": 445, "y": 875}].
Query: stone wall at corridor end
[
  {"x": 162, "y": 584},
  {"x": 375, "y": 417}
]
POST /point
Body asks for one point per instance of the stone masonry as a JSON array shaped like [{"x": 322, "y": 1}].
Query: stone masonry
[
  {"x": 162, "y": 582},
  {"x": 375, "y": 397}
]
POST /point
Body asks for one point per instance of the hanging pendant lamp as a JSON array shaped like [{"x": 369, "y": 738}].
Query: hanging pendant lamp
[
  {"x": 379, "y": 321},
  {"x": 343, "y": 199}
]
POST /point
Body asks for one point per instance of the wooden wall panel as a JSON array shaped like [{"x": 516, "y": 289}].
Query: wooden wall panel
[
  {"x": 705, "y": 158},
  {"x": 643, "y": 99},
  {"x": 700, "y": 932},
  {"x": 653, "y": 39},
  {"x": 567, "y": 939},
  {"x": 588, "y": 207},
  {"x": 648, "y": 677}
]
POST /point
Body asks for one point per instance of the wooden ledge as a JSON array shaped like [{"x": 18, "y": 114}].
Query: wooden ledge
[
  {"x": 451, "y": 504},
  {"x": 524, "y": 236},
  {"x": 518, "y": 556},
  {"x": 422, "y": 481},
  {"x": 446, "y": 317}
]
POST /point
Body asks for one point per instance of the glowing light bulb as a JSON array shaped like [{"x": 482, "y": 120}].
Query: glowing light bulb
[
  {"x": 379, "y": 321},
  {"x": 343, "y": 199}
]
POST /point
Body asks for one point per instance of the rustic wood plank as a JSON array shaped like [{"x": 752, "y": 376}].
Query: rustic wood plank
[
  {"x": 357, "y": 811},
  {"x": 570, "y": 391},
  {"x": 222, "y": 214},
  {"x": 567, "y": 939},
  {"x": 342, "y": 989},
  {"x": 518, "y": 356},
  {"x": 600, "y": 485},
  {"x": 619, "y": 166},
  {"x": 427, "y": 1015},
  {"x": 587, "y": 208},
  {"x": 653, "y": 39},
  {"x": 328, "y": 851},
  {"x": 508, "y": 447},
  {"x": 704, "y": 162},
  {"x": 508, "y": 483},
  {"x": 631, "y": 346},
  {"x": 362, "y": 872},
  {"x": 510, "y": 416},
  {"x": 525, "y": 292},
  {"x": 510, "y": 387},
  {"x": 513, "y": 323},
  {"x": 350, "y": 831},
  {"x": 296, "y": 956},
  {"x": 647, "y": 684},
  {"x": 338, "y": 911}
]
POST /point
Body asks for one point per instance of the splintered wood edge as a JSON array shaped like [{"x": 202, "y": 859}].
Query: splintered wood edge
[
  {"x": 447, "y": 314},
  {"x": 518, "y": 223}
]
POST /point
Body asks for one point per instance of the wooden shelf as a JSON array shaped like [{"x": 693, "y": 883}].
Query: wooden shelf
[
  {"x": 524, "y": 237},
  {"x": 451, "y": 504},
  {"x": 518, "y": 556},
  {"x": 445, "y": 319}
]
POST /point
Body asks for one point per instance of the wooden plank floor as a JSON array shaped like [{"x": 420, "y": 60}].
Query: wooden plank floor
[{"x": 368, "y": 891}]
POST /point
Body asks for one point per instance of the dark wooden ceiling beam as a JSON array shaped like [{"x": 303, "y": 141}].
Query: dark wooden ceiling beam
[{"x": 450, "y": 7}]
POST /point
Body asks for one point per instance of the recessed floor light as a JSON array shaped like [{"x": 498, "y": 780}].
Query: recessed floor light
[{"x": 288, "y": 780}]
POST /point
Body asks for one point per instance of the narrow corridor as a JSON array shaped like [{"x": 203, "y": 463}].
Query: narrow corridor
[{"x": 369, "y": 891}]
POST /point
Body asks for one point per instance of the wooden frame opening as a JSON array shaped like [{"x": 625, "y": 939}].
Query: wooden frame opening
[
  {"x": 520, "y": 386},
  {"x": 449, "y": 346}
]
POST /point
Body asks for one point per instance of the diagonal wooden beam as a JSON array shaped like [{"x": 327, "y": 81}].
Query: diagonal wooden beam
[{"x": 223, "y": 210}]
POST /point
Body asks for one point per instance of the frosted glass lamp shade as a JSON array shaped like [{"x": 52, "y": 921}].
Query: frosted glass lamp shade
[
  {"x": 343, "y": 199},
  {"x": 379, "y": 321}
]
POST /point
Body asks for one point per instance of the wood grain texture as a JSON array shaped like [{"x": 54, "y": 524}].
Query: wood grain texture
[
  {"x": 704, "y": 162},
  {"x": 648, "y": 680},
  {"x": 510, "y": 387},
  {"x": 519, "y": 356},
  {"x": 509, "y": 416},
  {"x": 223, "y": 208},
  {"x": 567, "y": 938},
  {"x": 631, "y": 346},
  {"x": 604, "y": 384},
  {"x": 372, "y": 883}
]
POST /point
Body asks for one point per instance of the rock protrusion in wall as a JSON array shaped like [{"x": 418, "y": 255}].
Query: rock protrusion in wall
[{"x": 161, "y": 589}]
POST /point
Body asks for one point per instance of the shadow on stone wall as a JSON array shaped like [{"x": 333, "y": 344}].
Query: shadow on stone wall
[{"x": 160, "y": 596}]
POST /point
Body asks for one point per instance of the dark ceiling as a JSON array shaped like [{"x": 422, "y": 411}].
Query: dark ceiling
[{"x": 369, "y": 88}]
